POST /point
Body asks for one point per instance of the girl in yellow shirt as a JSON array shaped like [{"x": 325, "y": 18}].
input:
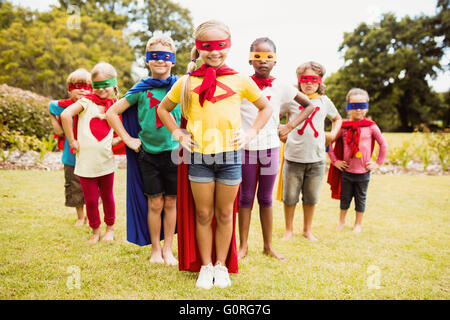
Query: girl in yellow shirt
[{"x": 210, "y": 98}]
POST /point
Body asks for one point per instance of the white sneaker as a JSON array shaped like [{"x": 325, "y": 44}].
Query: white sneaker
[
  {"x": 206, "y": 277},
  {"x": 221, "y": 276}
]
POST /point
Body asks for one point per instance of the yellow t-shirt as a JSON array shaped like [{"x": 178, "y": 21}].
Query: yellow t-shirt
[{"x": 212, "y": 125}]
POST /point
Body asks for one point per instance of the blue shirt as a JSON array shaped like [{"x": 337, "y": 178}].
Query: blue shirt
[{"x": 68, "y": 158}]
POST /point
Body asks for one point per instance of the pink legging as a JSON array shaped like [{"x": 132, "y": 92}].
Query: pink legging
[{"x": 92, "y": 187}]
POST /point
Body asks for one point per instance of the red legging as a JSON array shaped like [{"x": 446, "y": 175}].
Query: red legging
[{"x": 92, "y": 187}]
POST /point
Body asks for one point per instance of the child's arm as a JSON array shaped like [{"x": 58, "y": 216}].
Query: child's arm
[
  {"x": 340, "y": 164},
  {"x": 303, "y": 100},
  {"x": 112, "y": 116},
  {"x": 56, "y": 126},
  {"x": 336, "y": 124},
  {"x": 182, "y": 136},
  {"x": 376, "y": 134},
  {"x": 264, "y": 114},
  {"x": 67, "y": 123}
]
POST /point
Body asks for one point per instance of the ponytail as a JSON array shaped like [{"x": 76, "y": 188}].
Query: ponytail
[{"x": 186, "y": 88}]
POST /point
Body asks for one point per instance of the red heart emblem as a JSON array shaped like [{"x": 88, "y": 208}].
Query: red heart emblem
[{"x": 99, "y": 128}]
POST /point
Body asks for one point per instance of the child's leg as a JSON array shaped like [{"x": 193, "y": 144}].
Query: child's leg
[
  {"x": 361, "y": 187},
  {"x": 155, "y": 207},
  {"x": 90, "y": 191},
  {"x": 74, "y": 194},
  {"x": 80, "y": 215},
  {"x": 246, "y": 198},
  {"x": 311, "y": 189},
  {"x": 292, "y": 183},
  {"x": 269, "y": 164},
  {"x": 106, "y": 186},
  {"x": 308, "y": 215},
  {"x": 224, "y": 204},
  {"x": 170, "y": 219},
  {"x": 358, "y": 221},
  {"x": 169, "y": 177},
  {"x": 347, "y": 190},
  {"x": 341, "y": 224},
  {"x": 203, "y": 194}
]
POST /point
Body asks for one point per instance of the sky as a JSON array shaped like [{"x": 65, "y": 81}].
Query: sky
[{"x": 302, "y": 30}]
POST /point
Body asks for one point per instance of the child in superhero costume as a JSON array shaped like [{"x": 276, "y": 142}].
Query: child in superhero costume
[{"x": 351, "y": 157}]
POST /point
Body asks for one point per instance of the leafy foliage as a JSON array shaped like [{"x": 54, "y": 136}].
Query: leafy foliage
[
  {"x": 23, "y": 112},
  {"x": 140, "y": 20},
  {"x": 40, "y": 54},
  {"x": 392, "y": 60}
]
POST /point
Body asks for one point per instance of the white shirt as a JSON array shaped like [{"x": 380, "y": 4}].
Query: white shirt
[
  {"x": 267, "y": 138},
  {"x": 95, "y": 158},
  {"x": 309, "y": 146}
]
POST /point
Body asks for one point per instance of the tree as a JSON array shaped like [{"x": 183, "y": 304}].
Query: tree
[
  {"x": 164, "y": 16},
  {"x": 151, "y": 17},
  {"x": 111, "y": 12},
  {"x": 40, "y": 54},
  {"x": 392, "y": 60}
]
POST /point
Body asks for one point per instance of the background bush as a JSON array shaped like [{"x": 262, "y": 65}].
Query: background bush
[{"x": 23, "y": 112}]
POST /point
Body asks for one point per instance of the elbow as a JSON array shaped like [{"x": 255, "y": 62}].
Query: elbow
[
  {"x": 109, "y": 114},
  {"x": 65, "y": 115}
]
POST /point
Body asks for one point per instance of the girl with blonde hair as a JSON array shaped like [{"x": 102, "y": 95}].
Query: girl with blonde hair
[{"x": 210, "y": 171}]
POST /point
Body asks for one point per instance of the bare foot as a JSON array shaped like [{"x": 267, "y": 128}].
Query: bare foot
[
  {"x": 309, "y": 236},
  {"x": 242, "y": 253},
  {"x": 169, "y": 258},
  {"x": 357, "y": 228},
  {"x": 94, "y": 237},
  {"x": 340, "y": 226},
  {"x": 80, "y": 222},
  {"x": 109, "y": 235},
  {"x": 272, "y": 253},
  {"x": 287, "y": 235},
  {"x": 156, "y": 257}
]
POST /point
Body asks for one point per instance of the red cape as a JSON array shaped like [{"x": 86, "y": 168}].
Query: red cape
[
  {"x": 188, "y": 254},
  {"x": 334, "y": 174}
]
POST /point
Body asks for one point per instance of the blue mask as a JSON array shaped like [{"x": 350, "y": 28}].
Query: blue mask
[
  {"x": 160, "y": 55},
  {"x": 357, "y": 105}
]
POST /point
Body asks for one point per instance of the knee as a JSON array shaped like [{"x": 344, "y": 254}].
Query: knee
[
  {"x": 170, "y": 202},
  {"x": 204, "y": 216},
  {"x": 156, "y": 203},
  {"x": 245, "y": 201},
  {"x": 265, "y": 201},
  {"x": 224, "y": 215}
]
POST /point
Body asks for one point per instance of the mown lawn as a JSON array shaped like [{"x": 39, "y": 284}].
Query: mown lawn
[{"x": 402, "y": 253}]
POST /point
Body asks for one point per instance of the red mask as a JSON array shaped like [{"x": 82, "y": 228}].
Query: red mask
[
  {"x": 213, "y": 45},
  {"x": 80, "y": 85},
  {"x": 312, "y": 79}
]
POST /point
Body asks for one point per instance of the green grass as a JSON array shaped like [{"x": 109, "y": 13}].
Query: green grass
[{"x": 405, "y": 239}]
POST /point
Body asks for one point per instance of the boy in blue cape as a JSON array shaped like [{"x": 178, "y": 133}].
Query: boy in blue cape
[{"x": 151, "y": 154}]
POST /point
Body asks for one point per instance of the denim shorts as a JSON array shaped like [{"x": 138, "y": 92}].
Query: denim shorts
[
  {"x": 224, "y": 168},
  {"x": 305, "y": 178}
]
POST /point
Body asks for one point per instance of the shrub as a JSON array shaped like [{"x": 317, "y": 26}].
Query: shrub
[
  {"x": 440, "y": 143},
  {"x": 23, "y": 112}
]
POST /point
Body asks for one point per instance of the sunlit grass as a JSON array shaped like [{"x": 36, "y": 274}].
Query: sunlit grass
[{"x": 403, "y": 248}]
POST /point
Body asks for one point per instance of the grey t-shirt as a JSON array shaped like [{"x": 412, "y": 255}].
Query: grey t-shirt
[{"x": 306, "y": 143}]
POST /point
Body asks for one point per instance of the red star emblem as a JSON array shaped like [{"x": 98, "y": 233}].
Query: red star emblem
[
  {"x": 155, "y": 103},
  {"x": 228, "y": 92}
]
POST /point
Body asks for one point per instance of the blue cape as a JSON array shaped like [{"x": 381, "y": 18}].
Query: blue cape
[{"x": 137, "y": 206}]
